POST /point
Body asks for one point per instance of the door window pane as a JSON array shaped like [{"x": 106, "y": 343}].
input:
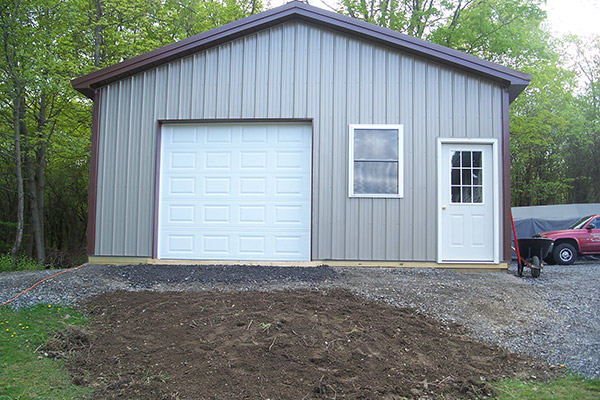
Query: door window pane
[
  {"x": 466, "y": 158},
  {"x": 456, "y": 194},
  {"x": 477, "y": 195},
  {"x": 477, "y": 159},
  {"x": 455, "y": 177},
  {"x": 466, "y": 177},
  {"x": 477, "y": 178},
  {"x": 455, "y": 158}
]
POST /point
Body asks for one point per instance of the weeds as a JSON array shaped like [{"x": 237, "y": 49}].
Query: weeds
[{"x": 24, "y": 263}]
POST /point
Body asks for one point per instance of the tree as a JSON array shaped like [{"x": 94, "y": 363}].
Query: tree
[
  {"x": 583, "y": 152},
  {"x": 44, "y": 123}
]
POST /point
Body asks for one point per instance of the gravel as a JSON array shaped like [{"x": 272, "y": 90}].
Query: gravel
[{"x": 555, "y": 317}]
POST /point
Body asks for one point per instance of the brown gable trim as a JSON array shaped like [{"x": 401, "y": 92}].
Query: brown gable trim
[{"x": 514, "y": 80}]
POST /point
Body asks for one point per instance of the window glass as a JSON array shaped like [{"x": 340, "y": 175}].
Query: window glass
[
  {"x": 376, "y": 161},
  {"x": 375, "y": 144},
  {"x": 466, "y": 179},
  {"x": 375, "y": 177},
  {"x": 456, "y": 158},
  {"x": 466, "y": 158},
  {"x": 477, "y": 159}
]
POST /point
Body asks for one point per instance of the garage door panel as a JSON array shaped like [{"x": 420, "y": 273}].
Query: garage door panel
[
  {"x": 216, "y": 186},
  {"x": 288, "y": 245},
  {"x": 185, "y": 135},
  {"x": 181, "y": 214},
  {"x": 250, "y": 186},
  {"x": 217, "y": 160},
  {"x": 216, "y": 245},
  {"x": 181, "y": 243},
  {"x": 252, "y": 245},
  {"x": 236, "y": 192},
  {"x": 221, "y": 136},
  {"x": 216, "y": 214},
  {"x": 255, "y": 160},
  {"x": 183, "y": 160},
  {"x": 252, "y": 214},
  {"x": 182, "y": 186},
  {"x": 253, "y": 134}
]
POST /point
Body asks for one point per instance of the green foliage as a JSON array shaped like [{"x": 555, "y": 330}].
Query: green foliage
[
  {"x": 25, "y": 373},
  {"x": 24, "y": 263},
  {"x": 43, "y": 45},
  {"x": 543, "y": 121},
  {"x": 570, "y": 387}
]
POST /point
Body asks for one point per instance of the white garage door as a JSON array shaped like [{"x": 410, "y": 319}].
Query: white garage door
[{"x": 235, "y": 192}]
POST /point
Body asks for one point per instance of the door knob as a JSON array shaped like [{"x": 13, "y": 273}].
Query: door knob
[{"x": 443, "y": 207}]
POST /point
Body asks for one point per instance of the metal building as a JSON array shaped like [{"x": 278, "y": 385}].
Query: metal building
[{"x": 301, "y": 135}]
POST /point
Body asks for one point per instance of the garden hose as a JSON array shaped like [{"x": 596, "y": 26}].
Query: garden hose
[{"x": 37, "y": 283}]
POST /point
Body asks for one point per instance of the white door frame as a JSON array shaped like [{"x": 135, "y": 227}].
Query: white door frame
[{"x": 495, "y": 190}]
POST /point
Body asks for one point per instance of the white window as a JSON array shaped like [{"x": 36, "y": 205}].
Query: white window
[{"x": 376, "y": 168}]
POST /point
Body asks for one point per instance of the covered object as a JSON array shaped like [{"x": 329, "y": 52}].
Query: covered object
[{"x": 532, "y": 220}]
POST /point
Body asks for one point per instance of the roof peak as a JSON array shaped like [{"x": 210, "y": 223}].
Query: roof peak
[{"x": 514, "y": 80}]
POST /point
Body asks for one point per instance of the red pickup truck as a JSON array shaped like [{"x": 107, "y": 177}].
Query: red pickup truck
[{"x": 583, "y": 237}]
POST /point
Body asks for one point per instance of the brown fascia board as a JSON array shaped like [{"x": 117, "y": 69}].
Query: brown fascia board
[{"x": 514, "y": 80}]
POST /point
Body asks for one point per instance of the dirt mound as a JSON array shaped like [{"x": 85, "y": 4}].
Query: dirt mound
[
  {"x": 281, "y": 345},
  {"x": 66, "y": 342}
]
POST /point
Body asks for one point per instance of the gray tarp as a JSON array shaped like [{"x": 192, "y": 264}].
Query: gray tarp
[{"x": 532, "y": 220}]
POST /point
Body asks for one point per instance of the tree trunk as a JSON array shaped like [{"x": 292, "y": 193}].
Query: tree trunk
[
  {"x": 36, "y": 216},
  {"x": 98, "y": 57},
  {"x": 18, "y": 172},
  {"x": 35, "y": 171}
]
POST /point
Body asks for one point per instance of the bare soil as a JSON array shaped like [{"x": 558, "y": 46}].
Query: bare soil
[{"x": 301, "y": 344}]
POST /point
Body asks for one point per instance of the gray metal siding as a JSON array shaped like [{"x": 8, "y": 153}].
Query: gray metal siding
[{"x": 297, "y": 70}]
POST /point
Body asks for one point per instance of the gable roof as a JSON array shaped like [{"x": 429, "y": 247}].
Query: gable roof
[{"x": 514, "y": 80}]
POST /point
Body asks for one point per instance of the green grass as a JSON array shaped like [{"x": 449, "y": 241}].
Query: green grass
[
  {"x": 25, "y": 374},
  {"x": 571, "y": 387},
  {"x": 24, "y": 263}
]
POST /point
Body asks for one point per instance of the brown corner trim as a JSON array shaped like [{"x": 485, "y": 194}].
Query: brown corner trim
[
  {"x": 93, "y": 176},
  {"x": 507, "y": 254},
  {"x": 156, "y": 190}
]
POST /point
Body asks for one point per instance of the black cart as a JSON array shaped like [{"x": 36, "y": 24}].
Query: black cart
[{"x": 533, "y": 251}]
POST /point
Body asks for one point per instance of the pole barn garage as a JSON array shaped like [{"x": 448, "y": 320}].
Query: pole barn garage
[{"x": 302, "y": 136}]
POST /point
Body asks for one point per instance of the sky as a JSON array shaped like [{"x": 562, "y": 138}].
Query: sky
[{"x": 581, "y": 17}]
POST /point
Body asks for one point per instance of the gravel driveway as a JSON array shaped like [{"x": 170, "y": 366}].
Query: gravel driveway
[{"x": 555, "y": 317}]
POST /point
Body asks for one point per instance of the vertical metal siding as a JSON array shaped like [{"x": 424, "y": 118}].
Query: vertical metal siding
[
  {"x": 339, "y": 171},
  {"x": 297, "y": 70}
]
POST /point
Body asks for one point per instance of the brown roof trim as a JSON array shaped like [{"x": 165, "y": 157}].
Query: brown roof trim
[{"x": 514, "y": 80}]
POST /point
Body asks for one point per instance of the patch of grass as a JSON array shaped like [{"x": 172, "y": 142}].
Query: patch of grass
[
  {"x": 24, "y": 263},
  {"x": 25, "y": 374},
  {"x": 570, "y": 387}
]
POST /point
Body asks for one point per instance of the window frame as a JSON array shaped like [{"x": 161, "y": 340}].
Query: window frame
[{"x": 400, "y": 134}]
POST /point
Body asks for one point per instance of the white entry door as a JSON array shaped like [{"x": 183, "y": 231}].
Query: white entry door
[
  {"x": 235, "y": 192},
  {"x": 468, "y": 214}
]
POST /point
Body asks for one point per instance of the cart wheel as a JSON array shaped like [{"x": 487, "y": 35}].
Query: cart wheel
[
  {"x": 520, "y": 269},
  {"x": 535, "y": 267}
]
